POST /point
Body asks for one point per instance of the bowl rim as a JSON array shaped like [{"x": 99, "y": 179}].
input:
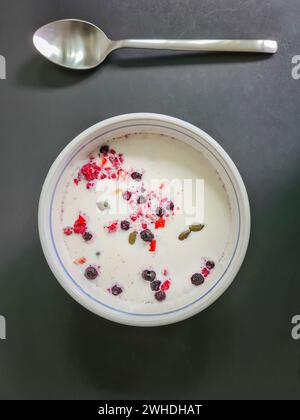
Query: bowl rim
[{"x": 123, "y": 318}]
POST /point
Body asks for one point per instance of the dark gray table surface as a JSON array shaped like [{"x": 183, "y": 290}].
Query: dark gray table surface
[{"x": 240, "y": 347}]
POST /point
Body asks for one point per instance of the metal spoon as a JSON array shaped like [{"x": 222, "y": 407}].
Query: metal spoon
[{"x": 80, "y": 45}]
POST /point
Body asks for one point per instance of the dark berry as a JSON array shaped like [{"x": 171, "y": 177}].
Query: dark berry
[
  {"x": 170, "y": 206},
  {"x": 127, "y": 195},
  {"x": 147, "y": 235},
  {"x": 116, "y": 290},
  {"x": 87, "y": 236},
  {"x": 91, "y": 273},
  {"x": 160, "y": 211},
  {"x": 210, "y": 265},
  {"x": 155, "y": 285},
  {"x": 125, "y": 225},
  {"x": 197, "y": 279},
  {"x": 141, "y": 199},
  {"x": 136, "y": 176},
  {"x": 104, "y": 149},
  {"x": 160, "y": 295},
  {"x": 149, "y": 275}
]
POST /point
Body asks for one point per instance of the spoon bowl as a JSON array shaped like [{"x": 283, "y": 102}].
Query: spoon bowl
[{"x": 72, "y": 43}]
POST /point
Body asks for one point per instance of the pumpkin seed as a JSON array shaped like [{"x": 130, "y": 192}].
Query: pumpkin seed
[
  {"x": 196, "y": 227},
  {"x": 132, "y": 237},
  {"x": 184, "y": 235}
]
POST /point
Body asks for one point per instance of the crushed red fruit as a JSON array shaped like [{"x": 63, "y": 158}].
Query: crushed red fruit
[
  {"x": 80, "y": 261},
  {"x": 76, "y": 181},
  {"x": 205, "y": 272},
  {"x": 68, "y": 231},
  {"x": 103, "y": 162},
  {"x": 80, "y": 225},
  {"x": 89, "y": 185},
  {"x": 112, "y": 227},
  {"x": 160, "y": 223},
  {"x": 90, "y": 171},
  {"x": 152, "y": 247},
  {"x": 165, "y": 285}
]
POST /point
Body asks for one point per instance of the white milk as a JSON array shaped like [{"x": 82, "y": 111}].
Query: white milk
[{"x": 164, "y": 159}]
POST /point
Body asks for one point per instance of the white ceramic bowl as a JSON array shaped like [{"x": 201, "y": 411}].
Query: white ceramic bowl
[{"x": 144, "y": 122}]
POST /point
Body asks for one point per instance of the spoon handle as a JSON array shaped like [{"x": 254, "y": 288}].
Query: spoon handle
[{"x": 230, "y": 45}]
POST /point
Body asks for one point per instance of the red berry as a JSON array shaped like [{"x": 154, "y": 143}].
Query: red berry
[
  {"x": 160, "y": 223},
  {"x": 87, "y": 236},
  {"x": 165, "y": 285},
  {"x": 136, "y": 176},
  {"x": 210, "y": 265},
  {"x": 112, "y": 227},
  {"x": 90, "y": 171},
  {"x": 127, "y": 195},
  {"x": 125, "y": 225},
  {"x": 80, "y": 225},
  {"x": 205, "y": 272},
  {"x": 68, "y": 231},
  {"x": 152, "y": 246},
  {"x": 160, "y": 295}
]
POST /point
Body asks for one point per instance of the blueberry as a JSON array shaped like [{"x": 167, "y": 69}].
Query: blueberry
[
  {"x": 127, "y": 195},
  {"x": 136, "y": 176},
  {"x": 170, "y": 206},
  {"x": 147, "y": 235},
  {"x": 125, "y": 225},
  {"x": 104, "y": 149},
  {"x": 116, "y": 290},
  {"x": 141, "y": 199},
  {"x": 91, "y": 273},
  {"x": 197, "y": 279},
  {"x": 160, "y": 211},
  {"x": 87, "y": 236},
  {"x": 210, "y": 265},
  {"x": 149, "y": 275},
  {"x": 160, "y": 295},
  {"x": 155, "y": 285}
]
